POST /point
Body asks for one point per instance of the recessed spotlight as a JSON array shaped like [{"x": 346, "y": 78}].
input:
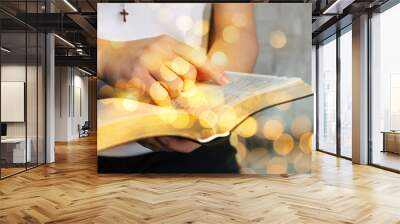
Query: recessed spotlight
[{"x": 5, "y": 50}]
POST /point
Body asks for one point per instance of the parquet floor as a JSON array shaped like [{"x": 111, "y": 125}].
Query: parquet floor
[{"x": 71, "y": 191}]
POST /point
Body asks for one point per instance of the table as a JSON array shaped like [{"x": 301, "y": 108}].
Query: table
[
  {"x": 391, "y": 141},
  {"x": 18, "y": 149}
]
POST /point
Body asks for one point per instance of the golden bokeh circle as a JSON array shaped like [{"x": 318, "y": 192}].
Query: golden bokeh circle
[
  {"x": 130, "y": 105},
  {"x": 167, "y": 115},
  {"x": 239, "y": 20},
  {"x": 248, "y": 127},
  {"x": 277, "y": 39},
  {"x": 300, "y": 125},
  {"x": 231, "y": 34},
  {"x": 219, "y": 58},
  {"x": 183, "y": 121},
  {"x": 273, "y": 129},
  {"x": 233, "y": 139},
  {"x": 284, "y": 144},
  {"x": 227, "y": 120},
  {"x": 306, "y": 142}
]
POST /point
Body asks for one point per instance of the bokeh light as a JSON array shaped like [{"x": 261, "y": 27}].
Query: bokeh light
[
  {"x": 184, "y": 23},
  {"x": 233, "y": 139},
  {"x": 130, "y": 105},
  {"x": 284, "y": 144},
  {"x": 168, "y": 115},
  {"x": 219, "y": 58},
  {"x": 158, "y": 93},
  {"x": 183, "y": 120},
  {"x": 248, "y": 127},
  {"x": 227, "y": 120},
  {"x": 277, "y": 39},
  {"x": 180, "y": 66},
  {"x": 239, "y": 20},
  {"x": 300, "y": 125},
  {"x": 306, "y": 142},
  {"x": 273, "y": 129},
  {"x": 201, "y": 28},
  {"x": 231, "y": 34}
]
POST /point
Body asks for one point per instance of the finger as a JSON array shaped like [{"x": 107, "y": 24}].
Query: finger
[
  {"x": 198, "y": 59},
  {"x": 178, "y": 144},
  {"x": 185, "y": 70},
  {"x": 152, "y": 87},
  {"x": 154, "y": 60},
  {"x": 170, "y": 80}
]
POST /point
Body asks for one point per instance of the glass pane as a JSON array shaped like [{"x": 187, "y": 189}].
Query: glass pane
[
  {"x": 346, "y": 94},
  {"x": 13, "y": 86},
  {"x": 41, "y": 98},
  {"x": 327, "y": 97},
  {"x": 31, "y": 98},
  {"x": 386, "y": 89}
]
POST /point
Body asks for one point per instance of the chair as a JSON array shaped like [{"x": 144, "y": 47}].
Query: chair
[{"x": 84, "y": 130}]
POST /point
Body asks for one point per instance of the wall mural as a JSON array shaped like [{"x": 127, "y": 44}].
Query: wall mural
[{"x": 204, "y": 88}]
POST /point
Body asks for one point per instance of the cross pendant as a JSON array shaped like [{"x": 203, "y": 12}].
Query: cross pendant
[{"x": 124, "y": 13}]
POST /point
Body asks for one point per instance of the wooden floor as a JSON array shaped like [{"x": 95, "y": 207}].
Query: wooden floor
[{"x": 71, "y": 191}]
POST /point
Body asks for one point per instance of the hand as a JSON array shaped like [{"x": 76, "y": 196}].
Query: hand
[
  {"x": 159, "y": 67},
  {"x": 170, "y": 144}
]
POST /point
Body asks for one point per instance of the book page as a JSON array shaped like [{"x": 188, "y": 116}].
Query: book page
[{"x": 206, "y": 96}]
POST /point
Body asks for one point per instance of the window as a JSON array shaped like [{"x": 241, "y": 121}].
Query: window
[
  {"x": 385, "y": 89},
  {"x": 327, "y": 96},
  {"x": 346, "y": 93}
]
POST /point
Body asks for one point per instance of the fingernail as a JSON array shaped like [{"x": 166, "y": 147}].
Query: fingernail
[
  {"x": 224, "y": 80},
  {"x": 188, "y": 84}
]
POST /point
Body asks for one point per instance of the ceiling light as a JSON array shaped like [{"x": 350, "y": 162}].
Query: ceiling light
[
  {"x": 337, "y": 7},
  {"x": 65, "y": 41},
  {"x": 70, "y": 5},
  {"x": 5, "y": 50},
  {"x": 84, "y": 71}
]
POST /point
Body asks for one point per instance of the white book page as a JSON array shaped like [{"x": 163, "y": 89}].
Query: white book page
[{"x": 242, "y": 86}]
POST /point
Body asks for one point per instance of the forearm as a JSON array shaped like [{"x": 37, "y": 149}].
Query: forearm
[
  {"x": 240, "y": 56},
  {"x": 234, "y": 34}
]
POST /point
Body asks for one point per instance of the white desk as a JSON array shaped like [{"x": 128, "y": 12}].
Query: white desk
[{"x": 19, "y": 155}]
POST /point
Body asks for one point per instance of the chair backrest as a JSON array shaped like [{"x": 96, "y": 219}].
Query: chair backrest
[{"x": 86, "y": 125}]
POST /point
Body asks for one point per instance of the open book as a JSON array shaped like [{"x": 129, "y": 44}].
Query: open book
[{"x": 204, "y": 113}]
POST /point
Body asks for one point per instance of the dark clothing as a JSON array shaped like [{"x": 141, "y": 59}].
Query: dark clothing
[{"x": 212, "y": 158}]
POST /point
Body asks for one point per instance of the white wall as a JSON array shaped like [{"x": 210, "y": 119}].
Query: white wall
[
  {"x": 71, "y": 94},
  {"x": 33, "y": 127}
]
